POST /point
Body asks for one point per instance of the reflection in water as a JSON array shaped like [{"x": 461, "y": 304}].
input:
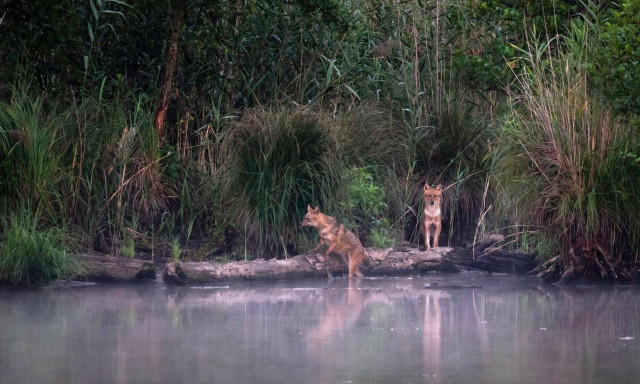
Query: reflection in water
[{"x": 489, "y": 329}]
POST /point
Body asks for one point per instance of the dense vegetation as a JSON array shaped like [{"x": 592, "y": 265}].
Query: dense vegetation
[{"x": 202, "y": 129}]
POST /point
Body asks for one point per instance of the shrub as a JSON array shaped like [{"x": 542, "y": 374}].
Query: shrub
[{"x": 278, "y": 161}]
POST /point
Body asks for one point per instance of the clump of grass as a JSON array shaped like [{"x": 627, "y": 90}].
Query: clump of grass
[
  {"x": 279, "y": 160},
  {"x": 32, "y": 257},
  {"x": 128, "y": 248},
  {"x": 569, "y": 164}
]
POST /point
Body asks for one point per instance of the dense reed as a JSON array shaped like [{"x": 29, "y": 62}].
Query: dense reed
[{"x": 569, "y": 164}]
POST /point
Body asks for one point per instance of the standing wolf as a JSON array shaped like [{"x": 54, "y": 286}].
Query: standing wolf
[
  {"x": 432, "y": 218},
  {"x": 339, "y": 239}
]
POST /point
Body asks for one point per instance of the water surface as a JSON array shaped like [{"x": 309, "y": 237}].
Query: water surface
[{"x": 461, "y": 328}]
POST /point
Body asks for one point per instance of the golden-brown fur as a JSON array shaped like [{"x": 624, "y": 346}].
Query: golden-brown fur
[
  {"x": 432, "y": 215},
  {"x": 338, "y": 239}
]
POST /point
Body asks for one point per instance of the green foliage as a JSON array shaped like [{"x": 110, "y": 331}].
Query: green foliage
[
  {"x": 618, "y": 56},
  {"x": 363, "y": 194},
  {"x": 32, "y": 257},
  {"x": 380, "y": 236},
  {"x": 366, "y": 208}
]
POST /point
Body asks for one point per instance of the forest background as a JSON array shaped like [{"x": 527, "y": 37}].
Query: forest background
[{"x": 200, "y": 130}]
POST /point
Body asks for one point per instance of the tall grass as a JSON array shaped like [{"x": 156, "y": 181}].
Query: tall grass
[
  {"x": 568, "y": 163},
  {"x": 90, "y": 165},
  {"x": 31, "y": 162},
  {"x": 31, "y": 256}
]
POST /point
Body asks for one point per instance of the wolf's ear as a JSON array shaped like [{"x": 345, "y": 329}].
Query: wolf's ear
[
  {"x": 426, "y": 184},
  {"x": 316, "y": 210},
  {"x": 309, "y": 209},
  {"x": 439, "y": 187}
]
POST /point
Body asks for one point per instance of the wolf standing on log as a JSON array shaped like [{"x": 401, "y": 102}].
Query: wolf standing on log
[
  {"x": 432, "y": 215},
  {"x": 339, "y": 239}
]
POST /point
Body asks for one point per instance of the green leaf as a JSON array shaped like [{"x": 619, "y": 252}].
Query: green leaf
[
  {"x": 101, "y": 85},
  {"x": 114, "y": 12},
  {"x": 121, "y": 3},
  {"x": 332, "y": 67},
  {"x": 352, "y": 91},
  {"x": 94, "y": 10}
]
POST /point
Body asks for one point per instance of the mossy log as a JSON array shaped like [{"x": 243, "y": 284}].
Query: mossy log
[
  {"x": 382, "y": 262},
  {"x": 105, "y": 268}
]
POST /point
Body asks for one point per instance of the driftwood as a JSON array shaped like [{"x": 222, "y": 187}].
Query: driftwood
[
  {"x": 105, "y": 268},
  {"x": 382, "y": 262}
]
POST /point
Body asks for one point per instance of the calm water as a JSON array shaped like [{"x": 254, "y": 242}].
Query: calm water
[{"x": 463, "y": 328}]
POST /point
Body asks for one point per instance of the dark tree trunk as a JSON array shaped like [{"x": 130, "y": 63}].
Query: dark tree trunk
[{"x": 169, "y": 70}]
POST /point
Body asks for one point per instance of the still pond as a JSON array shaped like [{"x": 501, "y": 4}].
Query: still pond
[{"x": 459, "y": 328}]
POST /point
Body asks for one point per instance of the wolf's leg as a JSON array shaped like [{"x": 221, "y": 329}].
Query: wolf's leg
[
  {"x": 437, "y": 235},
  {"x": 320, "y": 243},
  {"x": 422, "y": 230},
  {"x": 355, "y": 259},
  {"x": 427, "y": 234},
  {"x": 327, "y": 253},
  {"x": 330, "y": 249}
]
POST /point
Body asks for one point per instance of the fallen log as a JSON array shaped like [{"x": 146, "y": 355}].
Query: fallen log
[
  {"x": 382, "y": 262},
  {"x": 105, "y": 268}
]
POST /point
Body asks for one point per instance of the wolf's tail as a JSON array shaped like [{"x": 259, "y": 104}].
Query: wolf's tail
[{"x": 367, "y": 259}]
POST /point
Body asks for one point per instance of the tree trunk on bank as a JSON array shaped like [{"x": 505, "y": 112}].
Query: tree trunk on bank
[
  {"x": 382, "y": 262},
  {"x": 169, "y": 69}
]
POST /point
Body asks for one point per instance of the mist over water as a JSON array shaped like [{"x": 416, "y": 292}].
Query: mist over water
[{"x": 461, "y": 328}]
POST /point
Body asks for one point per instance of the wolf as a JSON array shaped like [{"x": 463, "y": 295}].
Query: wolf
[
  {"x": 432, "y": 218},
  {"x": 338, "y": 239}
]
